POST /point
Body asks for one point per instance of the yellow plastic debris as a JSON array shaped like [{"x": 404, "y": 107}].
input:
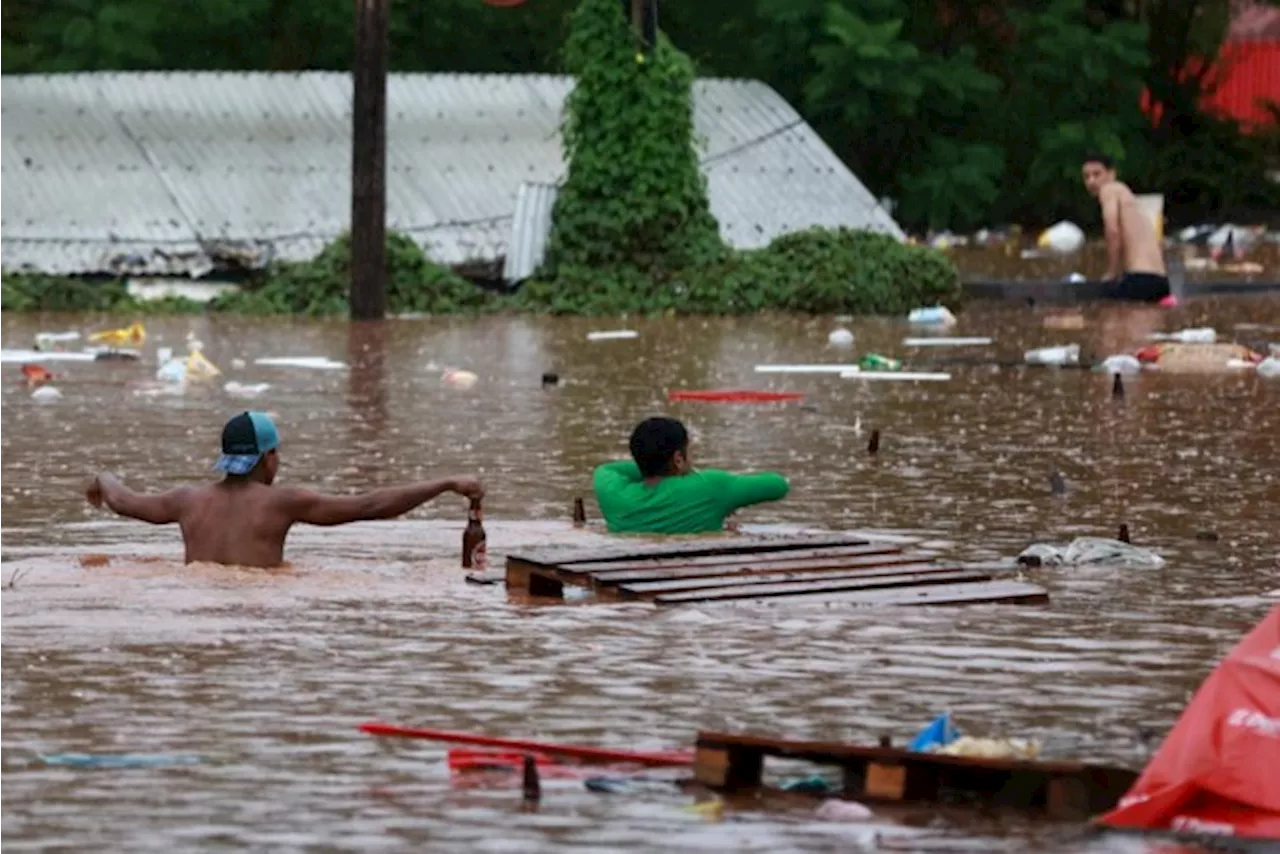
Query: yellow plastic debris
[
  {"x": 992, "y": 748},
  {"x": 133, "y": 335},
  {"x": 200, "y": 368}
]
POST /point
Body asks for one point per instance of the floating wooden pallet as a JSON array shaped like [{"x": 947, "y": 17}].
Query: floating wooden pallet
[
  {"x": 831, "y": 567},
  {"x": 1069, "y": 790}
]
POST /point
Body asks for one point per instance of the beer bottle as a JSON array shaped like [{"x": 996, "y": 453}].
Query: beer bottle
[
  {"x": 579, "y": 513},
  {"x": 473, "y": 539}
]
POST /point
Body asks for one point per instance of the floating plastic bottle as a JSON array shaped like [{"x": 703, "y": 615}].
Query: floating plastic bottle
[
  {"x": 52, "y": 340},
  {"x": 1067, "y": 354},
  {"x": 1269, "y": 367},
  {"x": 876, "y": 362},
  {"x": 933, "y": 315},
  {"x": 1198, "y": 335}
]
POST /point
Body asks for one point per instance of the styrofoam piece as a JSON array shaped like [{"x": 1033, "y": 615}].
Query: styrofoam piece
[
  {"x": 804, "y": 369},
  {"x": 946, "y": 342},
  {"x": 612, "y": 335},
  {"x": 322, "y": 363},
  {"x": 927, "y": 376},
  {"x": 44, "y": 356}
]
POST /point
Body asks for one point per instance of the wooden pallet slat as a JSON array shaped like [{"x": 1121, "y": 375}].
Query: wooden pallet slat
[
  {"x": 760, "y": 591},
  {"x": 693, "y": 546},
  {"x": 644, "y": 588},
  {"x": 750, "y": 567},
  {"x": 970, "y": 593},
  {"x": 696, "y": 562}
]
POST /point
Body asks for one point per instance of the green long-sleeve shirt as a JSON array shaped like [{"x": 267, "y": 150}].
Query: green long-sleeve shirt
[{"x": 694, "y": 503}]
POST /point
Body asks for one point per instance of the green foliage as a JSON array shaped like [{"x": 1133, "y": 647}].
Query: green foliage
[
  {"x": 319, "y": 287},
  {"x": 635, "y": 194},
  {"x": 35, "y": 292},
  {"x": 632, "y": 228},
  {"x": 819, "y": 271}
]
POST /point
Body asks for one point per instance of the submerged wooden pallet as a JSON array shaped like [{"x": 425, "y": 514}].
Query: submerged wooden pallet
[
  {"x": 840, "y": 568},
  {"x": 1069, "y": 790}
]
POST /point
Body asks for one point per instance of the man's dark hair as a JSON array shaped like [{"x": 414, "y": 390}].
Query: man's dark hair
[
  {"x": 654, "y": 442},
  {"x": 1095, "y": 157}
]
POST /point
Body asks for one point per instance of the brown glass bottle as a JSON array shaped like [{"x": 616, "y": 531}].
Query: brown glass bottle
[
  {"x": 473, "y": 539},
  {"x": 579, "y": 513}
]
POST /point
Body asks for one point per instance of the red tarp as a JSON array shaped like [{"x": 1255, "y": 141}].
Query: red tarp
[{"x": 1218, "y": 770}]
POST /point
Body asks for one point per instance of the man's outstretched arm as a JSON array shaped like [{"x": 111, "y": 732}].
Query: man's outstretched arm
[
  {"x": 160, "y": 508},
  {"x": 313, "y": 508}
]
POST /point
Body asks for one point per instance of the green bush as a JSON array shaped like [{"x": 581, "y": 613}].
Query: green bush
[
  {"x": 819, "y": 271},
  {"x": 38, "y": 292},
  {"x": 319, "y": 287},
  {"x": 635, "y": 195},
  {"x": 632, "y": 229}
]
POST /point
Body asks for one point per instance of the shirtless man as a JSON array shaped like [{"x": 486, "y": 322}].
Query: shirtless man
[
  {"x": 243, "y": 520},
  {"x": 1134, "y": 258}
]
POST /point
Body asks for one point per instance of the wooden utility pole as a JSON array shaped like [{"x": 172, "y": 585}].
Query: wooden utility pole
[
  {"x": 643, "y": 15},
  {"x": 368, "y": 298}
]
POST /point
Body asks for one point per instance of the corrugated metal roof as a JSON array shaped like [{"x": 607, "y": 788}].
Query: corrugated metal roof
[
  {"x": 530, "y": 228},
  {"x": 152, "y": 173}
]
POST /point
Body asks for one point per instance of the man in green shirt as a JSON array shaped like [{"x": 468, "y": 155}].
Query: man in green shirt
[{"x": 661, "y": 493}]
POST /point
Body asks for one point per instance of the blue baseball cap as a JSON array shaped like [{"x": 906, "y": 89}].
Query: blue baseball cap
[{"x": 244, "y": 440}]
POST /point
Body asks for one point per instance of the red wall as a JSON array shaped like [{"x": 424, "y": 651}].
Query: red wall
[
  {"x": 1248, "y": 74},
  {"x": 1250, "y": 71}
]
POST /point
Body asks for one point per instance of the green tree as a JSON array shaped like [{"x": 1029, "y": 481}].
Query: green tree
[{"x": 635, "y": 194}]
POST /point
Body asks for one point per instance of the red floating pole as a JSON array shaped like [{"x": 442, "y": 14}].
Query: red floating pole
[{"x": 585, "y": 754}]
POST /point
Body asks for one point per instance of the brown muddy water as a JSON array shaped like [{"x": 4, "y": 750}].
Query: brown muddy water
[{"x": 265, "y": 675}]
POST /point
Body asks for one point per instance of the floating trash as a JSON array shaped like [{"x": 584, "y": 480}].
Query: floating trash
[
  {"x": 840, "y": 338},
  {"x": 1199, "y": 335},
  {"x": 134, "y": 335},
  {"x": 804, "y": 369},
  {"x": 119, "y": 760},
  {"x": 1062, "y": 237},
  {"x": 934, "y": 315},
  {"x": 1121, "y": 363},
  {"x": 905, "y": 376},
  {"x": 1067, "y": 354},
  {"x": 51, "y": 340},
  {"x": 320, "y": 363},
  {"x": 939, "y": 732},
  {"x": 834, "y": 809},
  {"x": 613, "y": 335},
  {"x": 46, "y": 394},
  {"x": 814, "y": 784},
  {"x": 43, "y": 356},
  {"x": 992, "y": 748},
  {"x": 236, "y": 389},
  {"x": 198, "y": 367},
  {"x": 946, "y": 342},
  {"x": 36, "y": 375},
  {"x": 459, "y": 379},
  {"x": 1091, "y": 551},
  {"x": 173, "y": 371},
  {"x": 876, "y": 362}
]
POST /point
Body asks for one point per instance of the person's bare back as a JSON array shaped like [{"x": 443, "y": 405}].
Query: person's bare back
[
  {"x": 1140, "y": 248},
  {"x": 244, "y": 520},
  {"x": 1135, "y": 260},
  {"x": 234, "y": 522}
]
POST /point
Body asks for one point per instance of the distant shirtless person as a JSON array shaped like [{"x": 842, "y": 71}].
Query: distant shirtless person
[
  {"x": 1134, "y": 258},
  {"x": 243, "y": 520}
]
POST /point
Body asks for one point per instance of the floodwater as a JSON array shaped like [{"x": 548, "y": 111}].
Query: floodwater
[{"x": 265, "y": 675}]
